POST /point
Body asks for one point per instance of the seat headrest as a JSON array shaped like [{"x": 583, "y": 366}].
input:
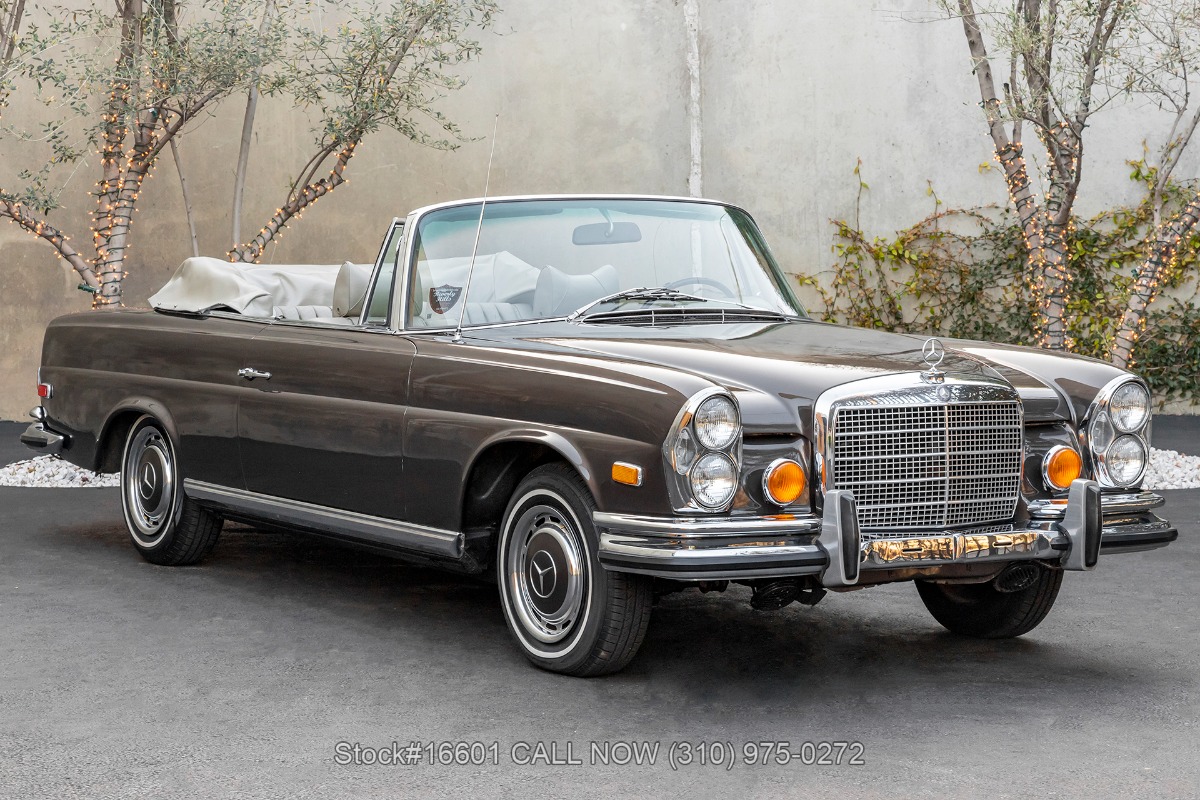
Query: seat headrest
[
  {"x": 558, "y": 293},
  {"x": 350, "y": 289}
]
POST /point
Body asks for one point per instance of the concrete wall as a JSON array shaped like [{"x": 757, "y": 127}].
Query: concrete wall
[{"x": 594, "y": 97}]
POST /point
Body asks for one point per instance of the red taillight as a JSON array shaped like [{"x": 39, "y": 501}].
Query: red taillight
[{"x": 45, "y": 390}]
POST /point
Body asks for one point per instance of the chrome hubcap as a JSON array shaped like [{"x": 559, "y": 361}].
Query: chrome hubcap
[
  {"x": 148, "y": 485},
  {"x": 545, "y": 573}
]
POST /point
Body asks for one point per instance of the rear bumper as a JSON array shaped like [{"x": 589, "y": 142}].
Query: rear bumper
[
  {"x": 1071, "y": 534},
  {"x": 40, "y": 437}
]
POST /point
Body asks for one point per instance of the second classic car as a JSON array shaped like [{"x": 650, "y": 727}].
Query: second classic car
[{"x": 594, "y": 399}]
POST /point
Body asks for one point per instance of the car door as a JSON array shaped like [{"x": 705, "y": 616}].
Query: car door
[
  {"x": 325, "y": 424},
  {"x": 326, "y": 427}
]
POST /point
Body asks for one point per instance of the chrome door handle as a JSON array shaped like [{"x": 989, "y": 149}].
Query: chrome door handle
[{"x": 249, "y": 373}]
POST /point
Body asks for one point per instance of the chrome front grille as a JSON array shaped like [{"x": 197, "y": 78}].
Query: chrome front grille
[{"x": 928, "y": 466}]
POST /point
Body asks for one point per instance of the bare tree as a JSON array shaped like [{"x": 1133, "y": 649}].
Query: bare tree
[
  {"x": 385, "y": 68},
  {"x": 1052, "y": 89},
  {"x": 157, "y": 70},
  {"x": 150, "y": 77},
  {"x": 1065, "y": 61},
  {"x": 1161, "y": 69}
]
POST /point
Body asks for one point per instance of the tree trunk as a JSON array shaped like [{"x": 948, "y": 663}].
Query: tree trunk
[
  {"x": 56, "y": 239},
  {"x": 113, "y": 245},
  {"x": 239, "y": 178},
  {"x": 1155, "y": 269},
  {"x": 187, "y": 200},
  {"x": 1053, "y": 280},
  {"x": 252, "y": 251}
]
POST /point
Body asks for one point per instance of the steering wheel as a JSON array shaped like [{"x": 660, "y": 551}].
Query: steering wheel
[{"x": 696, "y": 280}]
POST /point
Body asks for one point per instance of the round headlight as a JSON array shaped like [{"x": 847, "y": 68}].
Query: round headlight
[
  {"x": 717, "y": 423},
  {"x": 1129, "y": 407},
  {"x": 1125, "y": 459},
  {"x": 713, "y": 480}
]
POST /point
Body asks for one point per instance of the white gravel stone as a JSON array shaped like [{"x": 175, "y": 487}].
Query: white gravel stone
[
  {"x": 1168, "y": 469},
  {"x": 54, "y": 473}
]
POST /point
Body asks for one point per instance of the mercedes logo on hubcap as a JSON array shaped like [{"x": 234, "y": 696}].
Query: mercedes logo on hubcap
[
  {"x": 543, "y": 575},
  {"x": 149, "y": 477}
]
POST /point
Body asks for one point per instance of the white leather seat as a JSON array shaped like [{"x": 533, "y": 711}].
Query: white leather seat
[
  {"x": 350, "y": 289},
  {"x": 302, "y": 312},
  {"x": 558, "y": 294}
]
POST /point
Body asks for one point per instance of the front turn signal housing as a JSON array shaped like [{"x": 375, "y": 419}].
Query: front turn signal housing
[
  {"x": 1061, "y": 466},
  {"x": 783, "y": 482}
]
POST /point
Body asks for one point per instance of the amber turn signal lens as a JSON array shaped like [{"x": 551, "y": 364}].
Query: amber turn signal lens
[
  {"x": 627, "y": 474},
  {"x": 1063, "y": 465},
  {"x": 783, "y": 482}
]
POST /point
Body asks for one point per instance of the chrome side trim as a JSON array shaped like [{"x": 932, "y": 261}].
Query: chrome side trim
[
  {"x": 343, "y": 524},
  {"x": 1125, "y": 503},
  {"x": 689, "y": 527}
]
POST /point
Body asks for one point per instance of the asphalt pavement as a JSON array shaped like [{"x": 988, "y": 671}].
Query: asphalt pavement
[
  {"x": 241, "y": 676},
  {"x": 11, "y": 448}
]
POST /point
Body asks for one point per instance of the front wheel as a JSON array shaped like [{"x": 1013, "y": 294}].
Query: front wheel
[
  {"x": 166, "y": 527},
  {"x": 983, "y": 611},
  {"x": 567, "y": 613}
]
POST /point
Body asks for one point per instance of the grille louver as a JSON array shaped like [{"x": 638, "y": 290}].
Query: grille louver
[{"x": 928, "y": 467}]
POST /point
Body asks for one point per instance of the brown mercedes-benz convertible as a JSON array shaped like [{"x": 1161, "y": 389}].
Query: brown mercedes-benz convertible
[{"x": 595, "y": 399}]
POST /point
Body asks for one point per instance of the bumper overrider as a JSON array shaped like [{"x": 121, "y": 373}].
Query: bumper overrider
[
  {"x": 1072, "y": 534},
  {"x": 39, "y": 436}
]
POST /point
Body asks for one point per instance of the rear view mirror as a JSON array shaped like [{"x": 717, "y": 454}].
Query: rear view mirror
[{"x": 607, "y": 233}]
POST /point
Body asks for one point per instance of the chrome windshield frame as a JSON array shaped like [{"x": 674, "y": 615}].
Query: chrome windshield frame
[{"x": 401, "y": 292}]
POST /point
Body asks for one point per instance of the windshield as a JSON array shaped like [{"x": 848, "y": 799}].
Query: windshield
[{"x": 545, "y": 259}]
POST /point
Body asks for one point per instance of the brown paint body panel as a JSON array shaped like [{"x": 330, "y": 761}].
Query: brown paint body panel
[
  {"x": 327, "y": 427},
  {"x": 390, "y": 424}
]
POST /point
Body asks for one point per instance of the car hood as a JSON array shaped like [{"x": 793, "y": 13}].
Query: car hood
[{"x": 796, "y": 361}]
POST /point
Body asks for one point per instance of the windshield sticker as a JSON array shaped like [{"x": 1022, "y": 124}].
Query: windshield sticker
[{"x": 443, "y": 298}]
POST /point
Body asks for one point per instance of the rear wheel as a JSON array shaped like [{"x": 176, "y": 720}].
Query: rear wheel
[
  {"x": 983, "y": 611},
  {"x": 567, "y": 613},
  {"x": 166, "y": 527}
]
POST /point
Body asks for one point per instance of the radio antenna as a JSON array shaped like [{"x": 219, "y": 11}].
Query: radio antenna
[{"x": 462, "y": 312}]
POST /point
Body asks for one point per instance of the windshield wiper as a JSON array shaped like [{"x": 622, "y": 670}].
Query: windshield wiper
[{"x": 642, "y": 293}]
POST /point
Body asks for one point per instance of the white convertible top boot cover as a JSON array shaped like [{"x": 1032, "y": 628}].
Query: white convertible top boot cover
[{"x": 205, "y": 284}]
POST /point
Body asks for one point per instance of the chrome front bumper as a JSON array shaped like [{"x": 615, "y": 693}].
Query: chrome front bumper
[{"x": 1071, "y": 534}]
